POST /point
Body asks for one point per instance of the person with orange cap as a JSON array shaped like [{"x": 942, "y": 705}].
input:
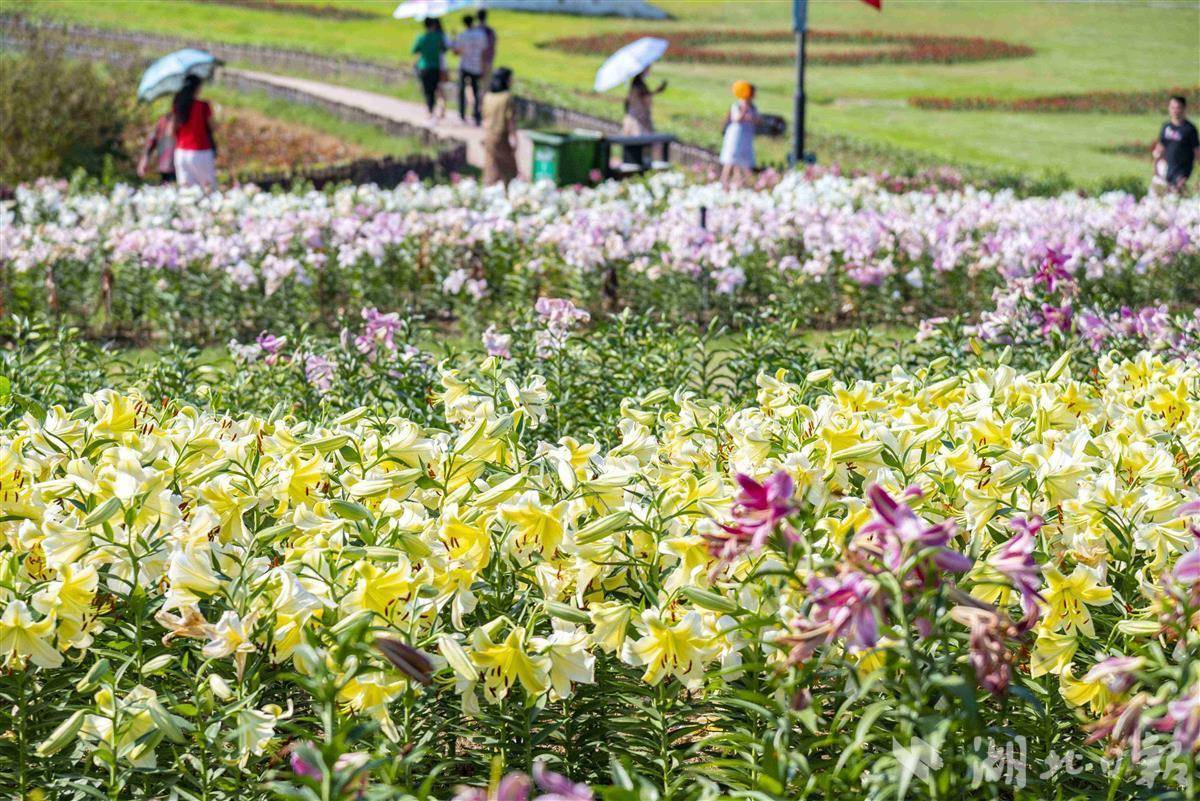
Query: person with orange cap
[{"x": 737, "y": 148}]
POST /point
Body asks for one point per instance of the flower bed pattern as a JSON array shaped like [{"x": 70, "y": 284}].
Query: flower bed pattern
[
  {"x": 1149, "y": 102},
  {"x": 327, "y": 11},
  {"x": 251, "y": 141},
  {"x": 696, "y": 47}
]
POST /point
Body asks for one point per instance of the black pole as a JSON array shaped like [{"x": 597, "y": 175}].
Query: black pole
[{"x": 798, "y": 110}]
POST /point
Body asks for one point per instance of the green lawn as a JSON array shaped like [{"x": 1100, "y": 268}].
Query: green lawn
[
  {"x": 1080, "y": 47},
  {"x": 368, "y": 138}
]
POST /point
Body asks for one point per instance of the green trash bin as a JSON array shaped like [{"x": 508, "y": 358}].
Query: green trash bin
[{"x": 565, "y": 158}]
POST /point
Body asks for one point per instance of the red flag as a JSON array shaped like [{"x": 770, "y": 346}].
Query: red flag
[{"x": 876, "y": 4}]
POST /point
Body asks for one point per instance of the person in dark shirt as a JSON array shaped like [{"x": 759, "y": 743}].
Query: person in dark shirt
[
  {"x": 489, "y": 53},
  {"x": 429, "y": 48},
  {"x": 1178, "y": 145}
]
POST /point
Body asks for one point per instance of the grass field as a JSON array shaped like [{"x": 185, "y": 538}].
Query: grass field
[
  {"x": 1080, "y": 47},
  {"x": 366, "y": 139}
]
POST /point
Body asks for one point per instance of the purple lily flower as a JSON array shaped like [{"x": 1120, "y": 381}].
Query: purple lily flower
[
  {"x": 271, "y": 346},
  {"x": 1183, "y": 718},
  {"x": 1014, "y": 560},
  {"x": 1055, "y": 317},
  {"x": 1117, "y": 672},
  {"x": 558, "y": 787},
  {"x": 1187, "y": 569},
  {"x": 302, "y": 766},
  {"x": 319, "y": 372},
  {"x": 1121, "y": 724},
  {"x": 757, "y": 510},
  {"x": 1189, "y": 508},
  {"x": 989, "y": 654},
  {"x": 1051, "y": 272},
  {"x": 848, "y": 606},
  {"x": 496, "y": 343},
  {"x": 898, "y": 526},
  {"x": 761, "y": 506},
  {"x": 513, "y": 787}
]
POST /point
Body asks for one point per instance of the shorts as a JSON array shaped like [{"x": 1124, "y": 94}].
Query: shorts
[{"x": 1177, "y": 174}]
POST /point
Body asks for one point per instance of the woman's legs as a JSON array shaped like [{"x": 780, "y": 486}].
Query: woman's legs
[
  {"x": 476, "y": 98},
  {"x": 440, "y": 88},
  {"x": 429, "y": 86},
  {"x": 462, "y": 95}
]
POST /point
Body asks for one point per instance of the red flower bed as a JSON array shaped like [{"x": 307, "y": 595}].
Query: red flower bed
[
  {"x": 251, "y": 141},
  {"x": 697, "y": 47},
  {"x": 306, "y": 9},
  {"x": 1095, "y": 102}
]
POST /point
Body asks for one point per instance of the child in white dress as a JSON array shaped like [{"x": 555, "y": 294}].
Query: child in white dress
[{"x": 737, "y": 149}]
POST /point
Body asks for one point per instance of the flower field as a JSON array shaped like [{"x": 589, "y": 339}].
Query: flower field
[
  {"x": 555, "y": 493},
  {"x": 834, "y": 250}
]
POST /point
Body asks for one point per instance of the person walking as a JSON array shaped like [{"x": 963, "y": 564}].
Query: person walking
[
  {"x": 443, "y": 74},
  {"x": 195, "y": 146},
  {"x": 737, "y": 147},
  {"x": 429, "y": 47},
  {"x": 489, "y": 52},
  {"x": 470, "y": 46},
  {"x": 639, "y": 116},
  {"x": 161, "y": 148},
  {"x": 499, "y": 130},
  {"x": 1178, "y": 145}
]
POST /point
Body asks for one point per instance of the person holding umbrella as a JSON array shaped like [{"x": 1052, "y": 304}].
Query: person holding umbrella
[
  {"x": 190, "y": 122},
  {"x": 633, "y": 61},
  {"x": 639, "y": 116},
  {"x": 195, "y": 146}
]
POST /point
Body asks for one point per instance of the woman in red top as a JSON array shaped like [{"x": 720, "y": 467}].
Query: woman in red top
[{"x": 195, "y": 150}]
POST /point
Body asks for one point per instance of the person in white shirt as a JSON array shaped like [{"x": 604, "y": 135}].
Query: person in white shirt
[{"x": 470, "y": 46}]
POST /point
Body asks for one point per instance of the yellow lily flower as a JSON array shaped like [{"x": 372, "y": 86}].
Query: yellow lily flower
[
  {"x": 22, "y": 638},
  {"x": 678, "y": 649},
  {"x": 1052, "y": 653},
  {"x": 1067, "y": 597},
  {"x": 502, "y": 664}
]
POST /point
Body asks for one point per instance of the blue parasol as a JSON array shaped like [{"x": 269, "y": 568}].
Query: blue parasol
[{"x": 166, "y": 75}]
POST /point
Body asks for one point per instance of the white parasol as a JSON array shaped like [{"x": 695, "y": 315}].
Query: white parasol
[
  {"x": 629, "y": 61},
  {"x": 424, "y": 9}
]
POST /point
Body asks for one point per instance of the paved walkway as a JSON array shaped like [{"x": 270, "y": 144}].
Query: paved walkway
[{"x": 402, "y": 111}]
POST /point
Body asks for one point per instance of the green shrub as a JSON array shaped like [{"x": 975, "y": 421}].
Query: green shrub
[{"x": 59, "y": 115}]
